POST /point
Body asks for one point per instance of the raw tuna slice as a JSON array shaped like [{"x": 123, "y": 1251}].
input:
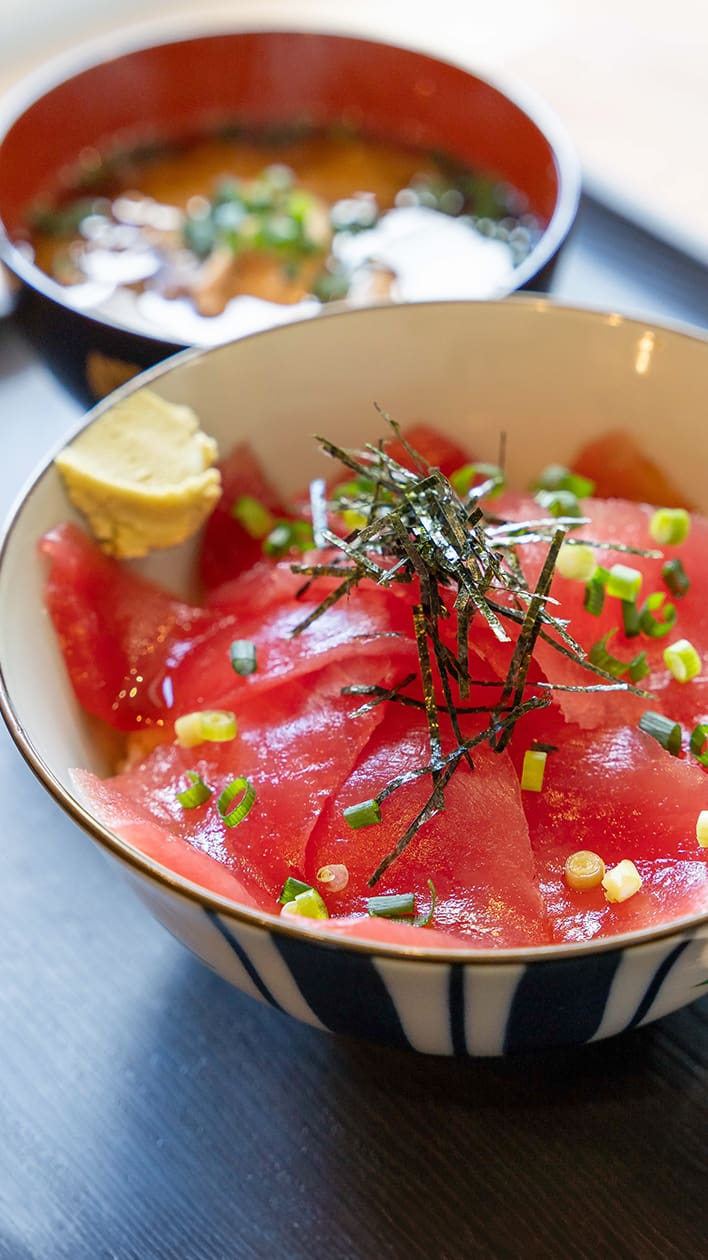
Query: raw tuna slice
[
  {"x": 295, "y": 746},
  {"x": 434, "y": 448},
  {"x": 618, "y": 793},
  {"x": 477, "y": 850},
  {"x": 619, "y": 467},
  {"x": 227, "y": 548},
  {"x": 618, "y": 521},
  {"x": 369, "y": 624},
  {"x": 135, "y": 823},
  {"x": 138, "y": 657},
  {"x": 114, "y": 629}
]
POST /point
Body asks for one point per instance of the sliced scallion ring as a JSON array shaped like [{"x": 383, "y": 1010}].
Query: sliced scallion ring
[
  {"x": 308, "y": 904},
  {"x": 663, "y": 730},
  {"x": 639, "y": 667},
  {"x": 576, "y": 561},
  {"x": 561, "y": 503},
  {"x": 335, "y": 877},
  {"x": 624, "y": 582},
  {"x": 363, "y": 814},
  {"x": 205, "y": 726},
  {"x": 533, "y": 770},
  {"x": 247, "y": 793},
  {"x": 670, "y": 526},
  {"x": 243, "y": 657},
  {"x": 291, "y": 888},
  {"x": 196, "y": 794},
  {"x": 699, "y": 743},
  {"x": 599, "y": 655},
  {"x": 253, "y": 516},
  {"x": 288, "y": 536},
  {"x": 656, "y": 627},
  {"x": 630, "y": 618},
  {"x": 594, "y": 598},
  {"x": 392, "y": 906},
  {"x": 422, "y": 920},
  {"x": 558, "y": 477},
  {"x": 462, "y": 479},
  {"x": 682, "y": 659},
  {"x": 676, "y": 577}
]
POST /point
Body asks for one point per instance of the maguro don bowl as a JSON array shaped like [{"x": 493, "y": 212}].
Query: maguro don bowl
[
  {"x": 117, "y": 94},
  {"x": 550, "y": 377}
]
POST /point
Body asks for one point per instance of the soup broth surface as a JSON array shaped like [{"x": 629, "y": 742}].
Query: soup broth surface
[{"x": 207, "y": 240}]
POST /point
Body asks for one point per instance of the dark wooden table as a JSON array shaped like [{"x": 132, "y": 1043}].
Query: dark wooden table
[{"x": 149, "y": 1112}]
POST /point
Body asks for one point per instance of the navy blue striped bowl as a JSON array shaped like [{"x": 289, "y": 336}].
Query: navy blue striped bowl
[{"x": 550, "y": 377}]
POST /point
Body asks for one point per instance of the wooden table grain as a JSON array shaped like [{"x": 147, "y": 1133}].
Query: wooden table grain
[{"x": 149, "y": 1112}]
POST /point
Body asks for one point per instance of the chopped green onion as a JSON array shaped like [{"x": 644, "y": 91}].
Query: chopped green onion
[
  {"x": 698, "y": 741},
  {"x": 559, "y": 502},
  {"x": 623, "y": 582},
  {"x": 594, "y": 598},
  {"x": 291, "y": 888},
  {"x": 253, "y": 516},
  {"x": 247, "y": 793},
  {"x": 599, "y": 656},
  {"x": 357, "y": 488},
  {"x": 533, "y": 770},
  {"x": 576, "y": 562},
  {"x": 205, "y": 726},
  {"x": 391, "y": 906},
  {"x": 336, "y": 876},
  {"x": 683, "y": 660},
  {"x": 558, "y": 477},
  {"x": 288, "y": 536},
  {"x": 655, "y": 627},
  {"x": 462, "y": 479},
  {"x": 308, "y": 904},
  {"x": 663, "y": 730},
  {"x": 422, "y": 920},
  {"x": 630, "y": 618},
  {"x": 670, "y": 526},
  {"x": 702, "y": 829},
  {"x": 364, "y": 814},
  {"x": 279, "y": 541},
  {"x": 639, "y": 667},
  {"x": 243, "y": 657},
  {"x": 353, "y": 520},
  {"x": 622, "y": 882},
  {"x": 196, "y": 794},
  {"x": 675, "y": 577}
]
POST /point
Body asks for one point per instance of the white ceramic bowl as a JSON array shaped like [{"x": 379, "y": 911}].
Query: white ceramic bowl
[{"x": 551, "y": 377}]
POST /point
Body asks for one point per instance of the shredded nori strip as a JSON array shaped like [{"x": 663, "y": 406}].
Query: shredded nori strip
[{"x": 419, "y": 529}]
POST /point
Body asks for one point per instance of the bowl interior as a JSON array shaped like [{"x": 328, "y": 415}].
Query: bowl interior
[
  {"x": 266, "y": 77},
  {"x": 550, "y": 378}
]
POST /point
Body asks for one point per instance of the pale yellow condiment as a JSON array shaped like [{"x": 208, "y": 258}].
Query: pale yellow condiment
[{"x": 142, "y": 475}]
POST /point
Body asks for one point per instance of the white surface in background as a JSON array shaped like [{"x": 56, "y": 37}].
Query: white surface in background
[{"x": 627, "y": 77}]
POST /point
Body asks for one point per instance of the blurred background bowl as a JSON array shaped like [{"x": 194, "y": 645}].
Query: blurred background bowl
[
  {"x": 91, "y": 100},
  {"x": 447, "y": 364}
]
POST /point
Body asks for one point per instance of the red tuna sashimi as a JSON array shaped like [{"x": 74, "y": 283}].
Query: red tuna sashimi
[
  {"x": 620, "y": 468},
  {"x": 476, "y": 850},
  {"x": 615, "y": 520},
  {"x": 264, "y": 611},
  {"x": 138, "y": 657},
  {"x": 114, "y": 629},
  {"x": 136, "y": 824},
  {"x": 227, "y": 548},
  {"x": 618, "y": 793},
  {"x": 433, "y": 447},
  {"x": 295, "y": 746}
]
